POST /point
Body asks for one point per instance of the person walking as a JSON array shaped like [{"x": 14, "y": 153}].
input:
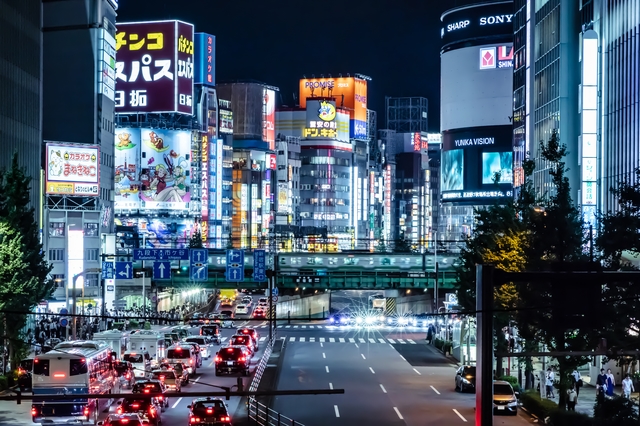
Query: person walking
[
  {"x": 611, "y": 382},
  {"x": 601, "y": 381},
  {"x": 572, "y": 398},
  {"x": 627, "y": 387},
  {"x": 549, "y": 382},
  {"x": 577, "y": 381}
]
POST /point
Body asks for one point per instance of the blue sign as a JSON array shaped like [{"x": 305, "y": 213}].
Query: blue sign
[
  {"x": 124, "y": 270},
  {"x": 160, "y": 254},
  {"x": 235, "y": 266},
  {"x": 199, "y": 261},
  {"x": 162, "y": 270},
  {"x": 275, "y": 292},
  {"x": 205, "y": 59},
  {"x": 108, "y": 271},
  {"x": 64, "y": 322},
  {"x": 64, "y": 311},
  {"x": 259, "y": 265}
]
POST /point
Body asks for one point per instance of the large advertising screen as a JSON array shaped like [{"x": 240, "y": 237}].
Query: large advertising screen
[
  {"x": 161, "y": 233},
  {"x": 152, "y": 169},
  {"x": 269, "y": 118},
  {"x": 350, "y": 93},
  {"x": 72, "y": 170},
  {"x": 477, "y": 164},
  {"x": 154, "y": 68},
  {"x": 321, "y": 120},
  {"x": 478, "y": 21},
  {"x": 205, "y": 59}
]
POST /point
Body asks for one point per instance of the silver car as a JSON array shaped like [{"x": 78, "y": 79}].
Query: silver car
[
  {"x": 505, "y": 400},
  {"x": 204, "y": 342}
]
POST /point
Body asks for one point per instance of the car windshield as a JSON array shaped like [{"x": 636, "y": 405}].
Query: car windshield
[
  {"x": 209, "y": 407},
  {"x": 502, "y": 389},
  {"x": 135, "y": 358},
  {"x": 198, "y": 340},
  {"x": 471, "y": 371},
  {"x": 240, "y": 307},
  {"x": 209, "y": 331},
  {"x": 226, "y": 313},
  {"x": 239, "y": 340}
]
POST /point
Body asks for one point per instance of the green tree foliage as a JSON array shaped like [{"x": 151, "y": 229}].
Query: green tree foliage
[
  {"x": 381, "y": 247},
  {"x": 196, "y": 240},
  {"x": 402, "y": 245}
]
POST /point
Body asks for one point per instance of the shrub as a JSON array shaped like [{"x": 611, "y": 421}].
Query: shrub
[
  {"x": 541, "y": 408},
  {"x": 133, "y": 324},
  {"x": 147, "y": 325},
  {"x": 447, "y": 347},
  {"x": 4, "y": 383},
  {"x": 560, "y": 417},
  {"x": 438, "y": 343},
  {"x": 616, "y": 411},
  {"x": 513, "y": 381}
]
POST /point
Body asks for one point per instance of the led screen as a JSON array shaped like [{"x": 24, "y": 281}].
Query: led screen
[
  {"x": 452, "y": 170},
  {"x": 497, "y": 165}
]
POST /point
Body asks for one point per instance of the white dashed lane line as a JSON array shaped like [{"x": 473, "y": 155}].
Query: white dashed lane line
[
  {"x": 459, "y": 415},
  {"x": 335, "y": 407},
  {"x": 383, "y": 389},
  {"x": 435, "y": 390},
  {"x": 175, "y": 404},
  {"x": 362, "y": 356},
  {"x": 372, "y": 370},
  {"x": 398, "y": 413},
  {"x": 326, "y": 367}
]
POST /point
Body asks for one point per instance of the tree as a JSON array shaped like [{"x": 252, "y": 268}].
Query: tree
[
  {"x": 381, "y": 247},
  {"x": 196, "y": 240},
  {"x": 402, "y": 245},
  {"x": 35, "y": 284}
]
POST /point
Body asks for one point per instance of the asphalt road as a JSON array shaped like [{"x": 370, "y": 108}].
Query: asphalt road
[
  {"x": 12, "y": 414},
  {"x": 390, "y": 377}
]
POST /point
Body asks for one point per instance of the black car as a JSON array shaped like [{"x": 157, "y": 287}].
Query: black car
[
  {"x": 341, "y": 318},
  {"x": 150, "y": 386},
  {"x": 209, "y": 411},
  {"x": 212, "y": 330},
  {"x": 243, "y": 340},
  {"x": 196, "y": 319},
  {"x": 124, "y": 371},
  {"x": 248, "y": 331},
  {"x": 466, "y": 378},
  {"x": 147, "y": 408},
  {"x": 24, "y": 374},
  {"x": 233, "y": 359}
]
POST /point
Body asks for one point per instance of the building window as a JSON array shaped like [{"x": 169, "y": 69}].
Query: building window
[
  {"x": 91, "y": 280},
  {"x": 91, "y": 254},
  {"x": 56, "y": 255},
  {"x": 58, "y": 279},
  {"x": 91, "y": 229},
  {"x": 56, "y": 229}
]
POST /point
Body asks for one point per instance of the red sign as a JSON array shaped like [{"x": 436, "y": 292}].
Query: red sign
[{"x": 272, "y": 161}]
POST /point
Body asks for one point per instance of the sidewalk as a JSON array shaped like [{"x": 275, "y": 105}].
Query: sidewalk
[{"x": 586, "y": 399}]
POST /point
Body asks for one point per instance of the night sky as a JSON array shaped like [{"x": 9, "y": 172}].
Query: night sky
[{"x": 395, "y": 42}]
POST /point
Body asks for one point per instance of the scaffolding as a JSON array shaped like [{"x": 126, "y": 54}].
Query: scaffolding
[{"x": 407, "y": 115}]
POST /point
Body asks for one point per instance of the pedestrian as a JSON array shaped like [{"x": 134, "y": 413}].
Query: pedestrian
[
  {"x": 601, "y": 380},
  {"x": 627, "y": 387},
  {"x": 429, "y": 336},
  {"x": 572, "y": 398},
  {"x": 611, "y": 382},
  {"x": 549, "y": 382},
  {"x": 577, "y": 381}
]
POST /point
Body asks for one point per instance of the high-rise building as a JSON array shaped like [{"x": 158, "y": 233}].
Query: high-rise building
[
  {"x": 407, "y": 114},
  {"x": 20, "y": 113},
  {"x": 476, "y": 112},
  {"x": 78, "y": 96}
]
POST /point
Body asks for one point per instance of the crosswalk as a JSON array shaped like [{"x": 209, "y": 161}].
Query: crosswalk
[
  {"x": 356, "y": 340},
  {"x": 333, "y": 327}
]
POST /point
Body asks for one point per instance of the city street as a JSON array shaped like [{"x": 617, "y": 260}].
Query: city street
[{"x": 390, "y": 377}]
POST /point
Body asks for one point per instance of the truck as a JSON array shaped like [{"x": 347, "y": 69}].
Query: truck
[
  {"x": 150, "y": 341},
  {"x": 116, "y": 339}
]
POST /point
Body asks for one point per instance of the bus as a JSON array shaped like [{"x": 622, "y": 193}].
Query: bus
[{"x": 74, "y": 367}]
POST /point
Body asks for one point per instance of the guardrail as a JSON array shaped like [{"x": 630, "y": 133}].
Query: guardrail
[
  {"x": 261, "y": 366},
  {"x": 265, "y": 416}
]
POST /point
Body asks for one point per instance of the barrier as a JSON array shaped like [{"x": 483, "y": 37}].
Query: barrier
[
  {"x": 265, "y": 416},
  {"x": 261, "y": 366}
]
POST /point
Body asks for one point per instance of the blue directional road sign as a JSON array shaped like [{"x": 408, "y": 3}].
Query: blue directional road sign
[
  {"x": 108, "y": 270},
  {"x": 198, "y": 262},
  {"x": 162, "y": 270},
  {"x": 235, "y": 266},
  {"x": 259, "y": 265},
  {"x": 63, "y": 319},
  {"x": 124, "y": 270},
  {"x": 160, "y": 254}
]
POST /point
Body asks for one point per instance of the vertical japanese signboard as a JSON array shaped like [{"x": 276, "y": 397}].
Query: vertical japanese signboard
[
  {"x": 204, "y": 196},
  {"x": 154, "y": 68},
  {"x": 269, "y": 118},
  {"x": 205, "y": 60}
]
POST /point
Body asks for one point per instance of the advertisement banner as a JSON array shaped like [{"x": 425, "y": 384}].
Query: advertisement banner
[
  {"x": 350, "y": 92},
  {"x": 269, "y": 118},
  {"x": 204, "y": 196},
  {"x": 477, "y": 164},
  {"x": 127, "y": 169},
  {"x": 205, "y": 59},
  {"x": 321, "y": 120},
  {"x": 72, "y": 169},
  {"x": 165, "y": 167},
  {"x": 161, "y": 233},
  {"x": 219, "y": 158},
  {"x": 154, "y": 68},
  {"x": 283, "y": 197},
  {"x": 482, "y": 20},
  {"x": 226, "y": 121}
]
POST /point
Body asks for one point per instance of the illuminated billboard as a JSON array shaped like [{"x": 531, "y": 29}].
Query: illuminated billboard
[
  {"x": 477, "y": 21},
  {"x": 477, "y": 164},
  {"x": 205, "y": 59},
  {"x": 72, "y": 169},
  {"x": 154, "y": 68},
  {"x": 127, "y": 169},
  {"x": 161, "y": 233},
  {"x": 205, "y": 185},
  {"x": 283, "y": 197},
  {"x": 321, "y": 120},
  {"x": 269, "y": 118},
  {"x": 165, "y": 169},
  {"x": 225, "y": 121},
  {"x": 350, "y": 93}
]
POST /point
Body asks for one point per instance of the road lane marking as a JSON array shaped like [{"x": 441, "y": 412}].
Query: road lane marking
[
  {"x": 419, "y": 373},
  {"x": 279, "y": 326},
  {"x": 322, "y": 340},
  {"x": 335, "y": 407},
  {"x": 312, "y": 339},
  {"x": 304, "y": 326},
  {"x": 401, "y": 341},
  {"x": 175, "y": 404},
  {"x": 352, "y": 340},
  {"x": 326, "y": 367},
  {"x": 459, "y": 415},
  {"x": 287, "y": 326},
  {"x": 321, "y": 345},
  {"x": 330, "y": 385},
  {"x": 324, "y": 355},
  {"x": 381, "y": 340},
  {"x": 197, "y": 379},
  {"x": 361, "y": 340},
  {"x": 302, "y": 339},
  {"x": 403, "y": 357},
  {"x": 411, "y": 341},
  {"x": 311, "y": 326},
  {"x": 295, "y": 326},
  {"x": 398, "y": 413},
  {"x": 223, "y": 339},
  {"x": 362, "y": 356},
  {"x": 435, "y": 390},
  {"x": 332, "y": 339},
  {"x": 263, "y": 338},
  {"x": 341, "y": 339},
  {"x": 383, "y": 389},
  {"x": 292, "y": 339},
  {"x": 372, "y": 340},
  {"x": 391, "y": 341},
  {"x": 372, "y": 370},
  {"x": 357, "y": 346}
]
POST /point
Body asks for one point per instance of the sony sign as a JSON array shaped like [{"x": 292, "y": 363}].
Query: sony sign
[{"x": 497, "y": 19}]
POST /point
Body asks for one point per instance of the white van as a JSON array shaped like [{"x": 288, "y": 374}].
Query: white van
[
  {"x": 150, "y": 341},
  {"x": 185, "y": 353},
  {"x": 140, "y": 360}
]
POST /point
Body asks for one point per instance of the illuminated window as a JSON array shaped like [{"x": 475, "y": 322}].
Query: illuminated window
[
  {"x": 56, "y": 229},
  {"x": 91, "y": 230}
]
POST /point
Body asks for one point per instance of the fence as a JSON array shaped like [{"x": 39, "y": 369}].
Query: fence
[
  {"x": 265, "y": 416},
  {"x": 261, "y": 366}
]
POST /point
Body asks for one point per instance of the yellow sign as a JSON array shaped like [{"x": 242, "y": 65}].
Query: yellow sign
[
  {"x": 60, "y": 188},
  {"x": 319, "y": 133},
  {"x": 327, "y": 111}
]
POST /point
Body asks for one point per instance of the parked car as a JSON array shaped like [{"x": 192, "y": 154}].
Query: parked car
[
  {"x": 466, "y": 378},
  {"x": 505, "y": 400}
]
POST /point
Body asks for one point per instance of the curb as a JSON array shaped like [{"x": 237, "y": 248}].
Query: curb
[{"x": 530, "y": 414}]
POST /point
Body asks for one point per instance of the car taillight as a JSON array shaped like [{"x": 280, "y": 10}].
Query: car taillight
[
  {"x": 217, "y": 359},
  {"x": 225, "y": 419},
  {"x": 119, "y": 410},
  {"x": 124, "y": 421},
  {"x": 194, "y": 419},
  {"x": 209, "y": 410},
  {"x": 242, "y": 359},
  {"x": 152, "y": 411},
  {"x": 127, "y": 376},
  {"x": 190, "y": 361},
  {"x": 86, "y": 411},
  {"x": 135, "y": 405},
  {"x": 34, "y": 412},
  {"x": 147, "y": 391},
  {"x": 160, "y": 397}
]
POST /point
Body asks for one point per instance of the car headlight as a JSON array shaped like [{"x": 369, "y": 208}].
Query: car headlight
[
  {"x": 343, "y": 320},
  {"x": 424, "y": 323},
  {"x": 369, "y": 320},
  {"x": 403, "y": 321},
  {"x": 465, "y": 380},
  {"x": 381, "y": 318},
  {"x": 332, "y": 319},
  {"x": 359, "y": 320}
]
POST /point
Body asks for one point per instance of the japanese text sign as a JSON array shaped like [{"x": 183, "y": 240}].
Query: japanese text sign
[
  {"x": 154, "y": 68},
  {"x": 73, "y": 169},
  {"x": 205, "y": 60}
]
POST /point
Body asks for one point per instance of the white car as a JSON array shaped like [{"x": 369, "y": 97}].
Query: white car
[{"x": 242, "y": 310}]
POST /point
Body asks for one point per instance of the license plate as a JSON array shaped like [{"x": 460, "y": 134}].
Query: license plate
[
  {"x": 501, "y": 408},
  {"x": 229, "y": 362}
]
